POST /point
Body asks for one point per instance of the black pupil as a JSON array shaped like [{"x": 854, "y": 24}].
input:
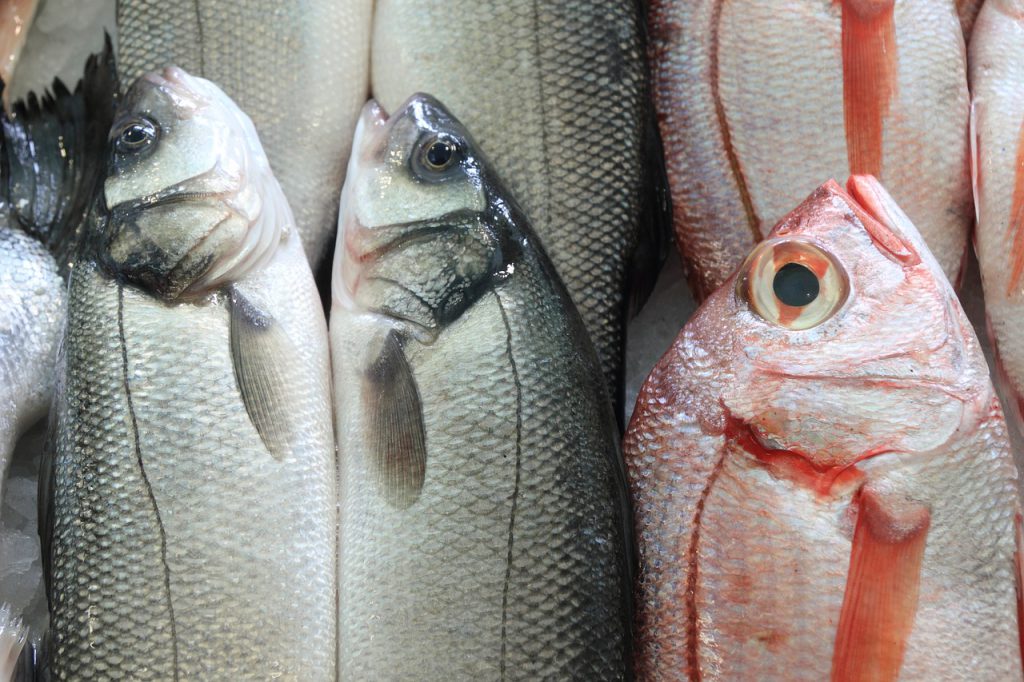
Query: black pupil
[
  {"x": 134, "y": 135},
  {"x": 439, "y": 154},
  {"x": 795, "y": 285}
]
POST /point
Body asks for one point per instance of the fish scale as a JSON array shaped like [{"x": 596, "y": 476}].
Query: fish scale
[
  {"x": 298, "y": 69},
  {"x": 574, "y": 75}
]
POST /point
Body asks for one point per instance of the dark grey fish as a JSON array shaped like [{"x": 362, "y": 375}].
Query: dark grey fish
[{"x": 484, "y": 530}]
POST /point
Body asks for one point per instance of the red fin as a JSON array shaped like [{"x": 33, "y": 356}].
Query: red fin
[
  {"x": 1015, "y": 230},
  {"x": 881, "y": 589},
  {"x": 869, "y": 79}
]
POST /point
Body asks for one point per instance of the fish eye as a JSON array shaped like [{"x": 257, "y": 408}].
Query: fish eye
[
  {"x": 439, "y": 154},
  {"x": 793, "y": 283},
  {"x": 136, "y": 135}
]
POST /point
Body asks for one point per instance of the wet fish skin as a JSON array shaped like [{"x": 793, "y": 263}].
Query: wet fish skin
[
  {"x": 784, "y": 480},
  {"x": 997, "y": 116},
  {"x": 754, "y": 99},
  {"x": 574, "y": 151},
  {"x": 484, "y": 526},
  {"x": 299, "y": 69},
  {"x": 51, "y": 146},
  {"x": 199, "y": 512}
]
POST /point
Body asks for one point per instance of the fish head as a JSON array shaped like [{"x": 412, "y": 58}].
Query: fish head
[
  {"x": 191, "y": 201},
  {"x": 416, "y": 241},
  {"x": 839, "y": 338}
]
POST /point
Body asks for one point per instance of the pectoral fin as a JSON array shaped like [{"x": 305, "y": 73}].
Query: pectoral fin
[
  {"x": 260, "y": 350},
  {"x": 397, "y": 439},
  {"x": 880, "y": 602}
]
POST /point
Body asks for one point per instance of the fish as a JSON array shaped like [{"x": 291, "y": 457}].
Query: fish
[
  {"x": 300, "y": 70},
  {"x": 484, "y": 527},
  {"x": 49, "y": 174},
  {"x": 819, "y": 467},
  {"x": 558, "y": 96},
  {"x": 750, "y": 97},
  {"x": 997, "y": 131},
  {"x": 190, "y": 478}
]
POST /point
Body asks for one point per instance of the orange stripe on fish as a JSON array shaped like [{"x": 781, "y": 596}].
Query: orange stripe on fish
[
  {"x": 1015, "y": 230},
  {"x": 880, "y": 602},
  {"x": 869, "y": 79}
]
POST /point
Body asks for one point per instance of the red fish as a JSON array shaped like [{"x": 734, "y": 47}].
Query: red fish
[
  {"x": 820, "y": 471},
  {"x": 758, "y": 100}
]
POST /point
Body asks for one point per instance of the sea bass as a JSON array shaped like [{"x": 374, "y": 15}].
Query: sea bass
[
  {"x": 50, "y": 170},
  {"x": 190, "y": 484},
  {"x": 557, "y": 95},
  {"x": 820, "y": 469},
  {"x": 997, "y": 71},
  {"x": 484, "y": 530},
  {"x": 300, "y": 69},
  {"x": 750, "y": 96}
]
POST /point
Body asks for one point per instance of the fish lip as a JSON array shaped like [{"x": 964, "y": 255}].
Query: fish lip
[{"x": 162, "y": 198}]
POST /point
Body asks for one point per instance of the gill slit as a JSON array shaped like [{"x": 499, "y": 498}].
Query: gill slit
[
  {"x": 199, "y": 34},
  {"x": 515, "y": 489},
  {"x": 723, "y": 126},
  {"x": 142, "y": 471},
  {"x": 692, "y": 659}
]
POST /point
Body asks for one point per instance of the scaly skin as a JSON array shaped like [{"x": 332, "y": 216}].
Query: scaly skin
[
  {"x": 507, "y": 558},
  {"x": 206, "y": 539},
  {"x": 997, "y": 67},
  {"x": 556, "y": 94},
  {"x": 299, "y": 69},
  {"x": 750, "y": 98},
  {"x": 835, "y": 503}
]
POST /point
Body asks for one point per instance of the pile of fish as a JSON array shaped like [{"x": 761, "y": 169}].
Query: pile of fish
[{"x": 415, "y": 460}]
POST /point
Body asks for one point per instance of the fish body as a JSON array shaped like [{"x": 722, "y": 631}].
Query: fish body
[
  {"x": 557, "y": 95},
  {"x": 191, "y": 478},
  {"x": 750, "y": 96},
  {"x": 823, "y": 485},
  {"x": 50, "y": 149},
  {"x": 298, "y": 69},
  {"x": 997, "y": 133},
  {"x": 484, "y": 530}
]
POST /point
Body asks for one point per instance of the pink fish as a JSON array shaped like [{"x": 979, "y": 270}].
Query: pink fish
[
  {"x": 820, "y": 472},
  {"x": 758, "y": 100}
]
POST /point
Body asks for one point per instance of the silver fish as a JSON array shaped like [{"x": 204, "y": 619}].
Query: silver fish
[
  {"x": 190, "y": 486},
  {"x": 299, "y": 69},
  {"x": 557, "y": 95},
  {"x": 483, "y": 519}
]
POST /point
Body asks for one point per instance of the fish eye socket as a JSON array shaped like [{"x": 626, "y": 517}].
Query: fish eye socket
[
  {"x": 793, "y": 283},
  {"x": 439, "y": 154},
  {"x": 135, "y": 136}
]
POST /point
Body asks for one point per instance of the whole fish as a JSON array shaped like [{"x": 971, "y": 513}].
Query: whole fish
[
  {"x": 997, "y": 70},
  {"x": 750, "y": 96},
  {"x": 820, "y": 469},
  {"x": 50, "y": 170},
  {"x": 189, "y": 496},
  {"x": 484, "y": 530},
  {"x": 300, "y": 69},
  {"x": 557, "y": 95}
]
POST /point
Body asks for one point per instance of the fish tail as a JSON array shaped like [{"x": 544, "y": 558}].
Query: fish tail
[
  {"x": 880, "y": 602},
  {"x": 869, "y": 79},
  {"x": 54, "y": 154},
  {"x": 13, "y": 635},
  {"x": 1015, "y": 228}
]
